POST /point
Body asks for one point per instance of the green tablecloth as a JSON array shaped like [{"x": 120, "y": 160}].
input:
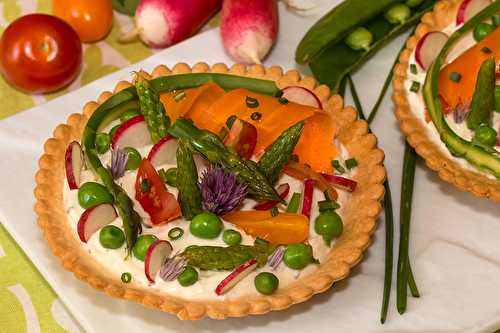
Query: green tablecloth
[{"x": 27, "y": 302}]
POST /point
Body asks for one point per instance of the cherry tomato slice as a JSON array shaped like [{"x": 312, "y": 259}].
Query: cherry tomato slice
[{"x": 153, "y": 196}]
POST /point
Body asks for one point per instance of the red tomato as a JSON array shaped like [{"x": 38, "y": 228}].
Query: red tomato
[
  {"x": 40, "y": 53},
  {"x": 153, "y": 196},
  {"x": 92, "y": 19}
]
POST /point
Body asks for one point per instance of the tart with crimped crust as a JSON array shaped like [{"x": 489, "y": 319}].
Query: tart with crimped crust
[
  {"x": 411, "y": 109},
  {"x": 83, "y": 252}
]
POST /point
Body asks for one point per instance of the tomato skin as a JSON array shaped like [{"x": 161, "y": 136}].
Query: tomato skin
[
  {"x": 91, "y": 19},
  {"x": 160, "y": 204},
  {"x": 40, "y": 53}
]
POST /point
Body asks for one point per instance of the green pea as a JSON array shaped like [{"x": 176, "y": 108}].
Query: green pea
[
  {"x": 497, "y": 98},
  {"x": 206, "y": 225},
  {"x": 482, "y": 30},
  {"x": 141, "y": 246},
  {"x": 113, "y": 131},
  {"x": 171, "y": 177},
  {"x": 413, "y": 3},
  {"x": 134, "y": 158},
  {"x": 111, "y": 237},
  {"x": 328, "y": 225},
  {"x": 360, "y": 39},
  {"x": 298, "y": 256},
  {"x": 266, "y": 283},
  {"x": 130, "y": 113},
  {"x": 102, "y": 142},
  {"x": 485, "y": 135},
  {"x": 188, "y": 277},
  {"x": 91, "y": 194},
  {"x": 398, "y": 14},
  {"x": 231, "y": 237}
]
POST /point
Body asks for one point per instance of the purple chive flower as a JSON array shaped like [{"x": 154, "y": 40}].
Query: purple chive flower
[
  {"x": 119, "y": 160},
  {"x": 221, "y": 191},
  {"x": 172, "y": 267}
]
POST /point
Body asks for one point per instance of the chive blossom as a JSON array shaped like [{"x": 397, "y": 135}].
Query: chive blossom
[
  {"x": 256, "y": 116},
  {"x": 179, "y": 96},
  {"x": 252, "y": 103},
  {"x": 455, "y": 76},
  {"x": 339, "y": 168},
  {"x": 283, "y": 100},
  {"x": 145, "y": 185},
  {"x": 413, "y": 69},
  {"x": 126, "y": 277},
  {"x": 415, "y": 86},
  {"x": 274, "y": 211},
  {"x": 351, "y": 163}
]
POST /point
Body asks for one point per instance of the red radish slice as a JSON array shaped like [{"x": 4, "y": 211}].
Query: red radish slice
[
  {"x": 93, "y": 219},
  {"x": 242, "y": 138},
  {"x": 155, "y": 257},
  {"x": 498, "y": 137},
  {"x": 341, "y": 182},
  {"x": 249, "y": 28},
  {"x": 236, "y": 276},
  {"x": 282, "y": 191},
  {"x": 132, "y": 133},
  {"x": 469, "y": 8},
  {"x": 161, "y": 23},
  {"x": 164, "y": 152},
  {"x": 308, "y": 197},
  {"x": 301, "y": 95},
  {"x": 428, "y": 47},
  {"x": 73, "y": 162}
]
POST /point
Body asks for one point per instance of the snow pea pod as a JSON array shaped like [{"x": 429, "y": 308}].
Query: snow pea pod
[{"x": 337, "y": 59}]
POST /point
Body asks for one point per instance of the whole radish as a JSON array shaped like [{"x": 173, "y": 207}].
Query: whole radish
[
  {"x": 161, "y": 23},
  {"x": 249, "y": 28}
]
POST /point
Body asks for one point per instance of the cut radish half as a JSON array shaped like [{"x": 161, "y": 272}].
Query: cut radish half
[
  {"x": 282, "y": 191},
  {"x": 301, "y": 95},
  {"x": 428, "y": 48},
  {"x": 341, "y": 182},
  {"x": 469, "y": 8},
  {"x": 73, "y": 162},
  {"x": 164, "y": 152},
  {"x": 155, "y": 257},
  {"x": 93, "y": 219},
  {"x": 236, "y": 276},
  {"x": 132, "y": 133}
]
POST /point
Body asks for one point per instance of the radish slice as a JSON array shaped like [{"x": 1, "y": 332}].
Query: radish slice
[
  {"x": 469, "y": 8},
  {"x": 341, "y": 182},
  {"x": 163, "y": 152},
  {"x": 282, "y": 191},
  {"x": 73, "y": 162},
  {"x": 249, "y": 28},
  {"x": 428, "y": 47},
  {"x": 132, "y": 133},
  {"x": 308, "y": 197},
  {"x": 242, "y": 138},
  {"x": 155, "y": 257},
  {"x": 93, "y": 219},
  {"x": 161, "y": 23},
  {"x": 301, "y": 95},
  {"x": 236, "y": 276},
  {"x": 498, "y": 137}
]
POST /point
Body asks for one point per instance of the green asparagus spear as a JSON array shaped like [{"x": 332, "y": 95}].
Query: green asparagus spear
[
  {"x": 152, "y": 109},
  {"x": 187, "y": 181},
  {"x": 210, "y": 146},
  {"x": 483, "y": 100},
  {"x": 275, "y": 158}
]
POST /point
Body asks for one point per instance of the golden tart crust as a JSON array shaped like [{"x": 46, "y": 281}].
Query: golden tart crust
[
  {"x": 442, "y": 15},
  {"x": 359, "y": 220}
]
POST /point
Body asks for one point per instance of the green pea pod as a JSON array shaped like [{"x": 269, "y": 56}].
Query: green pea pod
[
  {"x": 476, "y": 155},
  {"x": 483, "y": 99},
  {"x": 336, "y": 59},
  {"x": 275, "y": 158},
  {"x": 187, "y": 181},
  {"x": 152, "y": 109},
  {"x": 226, "y": 258}
]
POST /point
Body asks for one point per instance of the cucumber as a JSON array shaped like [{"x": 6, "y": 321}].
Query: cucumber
[
  {"x": 187, "y": 181},
  {"x": 483, "y": 99},
  {"x": 275, "y": 158},
  {"x": 459, "y": 147},
  {"x": 335, "y": 60}
]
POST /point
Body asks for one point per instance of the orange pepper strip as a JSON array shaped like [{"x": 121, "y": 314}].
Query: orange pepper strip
[
  {"x": 467, "y": 64},
  {"x": 284, "y": 228}
]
